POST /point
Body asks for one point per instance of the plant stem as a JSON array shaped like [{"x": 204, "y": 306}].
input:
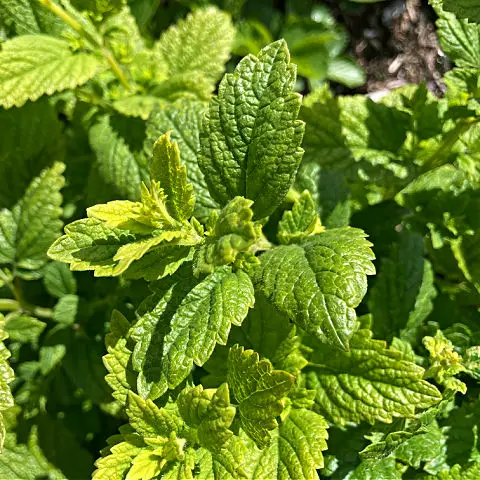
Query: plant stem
[
  {"x": 41, "y": 312},
  {"x": 77, "y": 26},
  {"x": 61, "y": 13},
  {"x": 116, "y": 68},
  {"x": 9, "y": 305}
]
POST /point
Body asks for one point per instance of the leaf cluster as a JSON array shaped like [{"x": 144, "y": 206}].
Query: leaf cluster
[{"x": 249, "y": 284}]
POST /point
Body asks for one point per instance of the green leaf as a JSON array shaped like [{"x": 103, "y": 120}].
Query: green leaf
[
  {"x": 230, "y": 233},
  {"x": 167, "y": 169},
  {"x": 113, "y": 237},
  {"x": 471, "y": 471},
  {"x": 30, "y": 17},
  {"x": 345, "y": 129},
  {"x": 181, "y": 327},
  {"x": 160, "y": 262},
  {"x": 444, "y": 362},
  {"x": 369, "y": 383},
  {"x": 201, "y": 43},
  {"x": 31, "y": 139},
  {"x": 223, "y": 465},
  {"x": 50, "y": 356},
  {"x": 319, "y": 282},
  {"x": 8, "y": 229},
  {"x": 118, "y": 462},
  {"x": 402, "y": 297},
  {"x": 361, "y": 138},
  {"x": 137, "y": 106},
  {"x": 24, "y": 329},
  {"x": 121, "y": 377},
  {"x": 88, "y": 244},
  {"x": 98, "y": 7},
  {"x": 210, "y": 412},
  {"x": 464, "y": 8},
  {"x": 272, "y": 336},
  {"x": 459, "y": 39},
  {"x": 34, "y": 65},
  {"x": 384, "y": 470},
  {"x": 121, "y": 35},
  {"x": 183, "y": 118},
  {"x": 250, "y": 140},
  {"x": 6, "y": 377},
  {"x": 27, "y": 231},
  {"x": 259, "y": 391},
  {"x": 347, "y": 71},
  {"x": 427, "y": 447},
  {"x": 59, "y": 280},
  {"x": 149, "y": 420},
  {"x": 466, "y": 250},
  {"x": 300, "y": 222},
  {"x": 115, "y": 162},
  {"x": 65, "y": 310},
  {"x": 25, "y": 462},
  {"x": 295, "y": 450},
  {"x": 330, "y": 192}
]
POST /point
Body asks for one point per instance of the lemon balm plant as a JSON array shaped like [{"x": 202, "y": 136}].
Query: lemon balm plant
[{"x": 224, "y": 263}]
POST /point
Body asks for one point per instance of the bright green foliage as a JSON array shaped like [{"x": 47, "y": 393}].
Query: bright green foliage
[
  {"x": 183, "y": 118},
  {"x": 320, "y": 281},
  {"x": 90, "y": 245},
  {"x": 231, "y": 234},
  {"x": 304, "y": 429},
  {"x": 6, "y": 377},
  {"x": 445, "y": 362},
  {"x": 259, "y": 391},
  {"x": 243, "y": 323},
  {"x": 167, "y": 169},
  {"x": 171, "y": 440},
  {"x": 198, "y": 45},
  {"x": 117, "y": 361},
  {"x": 121, "y": 232},
  {"x": 34, "y": 65},
  {"x": 460, "y": 40},
  {"x": 250, "y": 141},
  {"x": 182, "y": 326},
  {"x": 368, "y": 383},
  {"x": 34, "y": 222},
  {"x": 300, "y": 222},
  {"x": 210, "y": 412}
]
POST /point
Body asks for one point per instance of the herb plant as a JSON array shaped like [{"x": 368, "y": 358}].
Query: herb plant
[{"x": 220, "y": 254}]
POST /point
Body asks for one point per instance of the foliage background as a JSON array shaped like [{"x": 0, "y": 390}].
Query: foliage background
[{"x": 107, "y": 83}]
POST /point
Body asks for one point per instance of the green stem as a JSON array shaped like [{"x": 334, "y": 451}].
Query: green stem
[
  {"x": 61, "y": 13},
  {"x": 77, "y": 26},
  {"x": 116, "y": 68},
  {"x": 440, "y": 156},
  {"x": 41, "y": 312},
  {"x": 9, "y": 305}
]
